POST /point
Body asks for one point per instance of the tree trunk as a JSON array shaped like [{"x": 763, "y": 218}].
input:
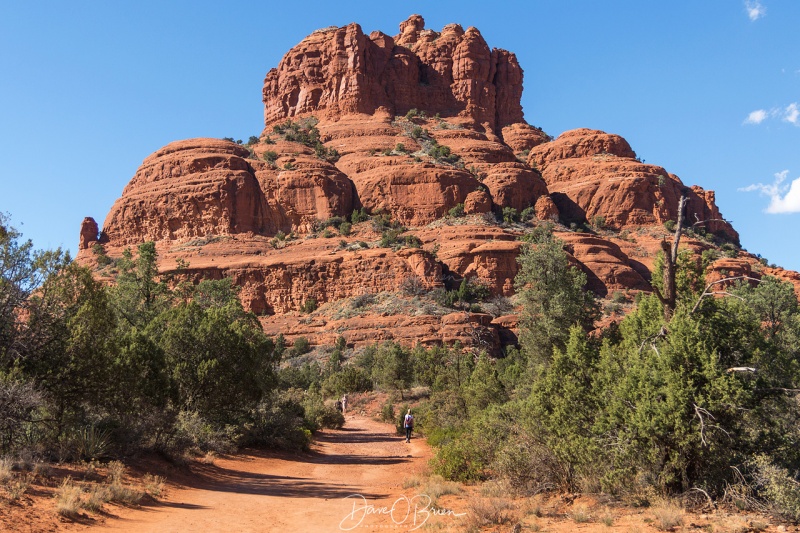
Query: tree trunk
[{"x": 669, "y": 298}]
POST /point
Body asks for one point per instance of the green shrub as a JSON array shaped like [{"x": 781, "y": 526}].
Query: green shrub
[
  {"x": 412, "y": 241},
  {"x": 100, "y": 255},
  {"x": 309, "y": 306},
  {"x": 387, "y": 411},
  {"x": 279, "y": 422},
  {"x": 270, "y": 156},
  {"x": 510, "y": 215},
  {"x": 345, "y": 228},
  {"x": 599, "y": 222},
  {"x": 729, "y": 250},
  {"x": 457, "y": 460},
  {"x": 457, "y": 211},
  {"x": 301, "y": 346},
  {"x": 389, "y": 238},
  {"x": 776, "y": 486},
  {"x": 359, "y": 215},
  {"x": 670, "y": 225},
  {"x": 349, "y": 379}
]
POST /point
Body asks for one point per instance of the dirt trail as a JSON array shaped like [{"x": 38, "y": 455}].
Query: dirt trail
[{"x": 312, "y": 492}]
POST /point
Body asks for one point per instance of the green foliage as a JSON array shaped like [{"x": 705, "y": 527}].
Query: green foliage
[
  {"x": 564, "y": 402},
  {"x": 253, "y": 140},
  {"x": 468, "y": 292},
  {"x": 778, "y": 487},
  {"x": 670, "y": 225},
  {"x": 457, "y": 211},
  {"x": 553, "y": 298},
  {"x": 309, "y": 306},
  {"x": 301, "y": 346},
  {"x": 391, "y": 368},
  {"x": 349, "y": 379},
  {"x": 220, "y": 360},
  {"x": 389, "y": 238},
  {"x": 459, "y": 461},
  {"x": 359, "y": 215},
  {"x": 270, "y": 156},
  {"x": 100, "y": 255},
  {"x": 510, "y": 215},
  {"x": 345, "y": 228},
  {"x": 729, "y": 250},
  {"x": 689, "y": 278},
  {"x": 483, "y": 387},
  {"x": 153, "y": 362},
  {"x": 328, "y": 154}
]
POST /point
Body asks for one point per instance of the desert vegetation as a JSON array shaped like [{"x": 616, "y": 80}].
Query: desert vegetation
[
  {"x": 92, "y": 372},
  {"x": 700, "y": 400}
]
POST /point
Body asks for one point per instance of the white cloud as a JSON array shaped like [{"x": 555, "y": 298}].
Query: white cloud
[
  {"x": 755, "y": 10},
  {"x": 756, "y": 117},
  {"x": 784, "y": 197},
  {"x": 791, "y": 113}
]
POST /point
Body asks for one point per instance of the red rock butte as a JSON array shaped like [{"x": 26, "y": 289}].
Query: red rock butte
[{"x": 427, "y": 129}]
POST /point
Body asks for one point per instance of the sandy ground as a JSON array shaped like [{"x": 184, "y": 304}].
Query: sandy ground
[{"x": 349, "y": 481}]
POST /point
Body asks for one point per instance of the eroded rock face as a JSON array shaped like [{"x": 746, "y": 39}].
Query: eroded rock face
[
  {"x": 203, "y": 187},
  {"x": 594, "y": 176},
  {"x": 340, "y": 71}
]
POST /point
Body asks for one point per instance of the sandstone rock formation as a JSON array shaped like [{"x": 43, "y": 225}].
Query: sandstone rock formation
[
  {"x": 594, "y": 176},
  {"x": 407, "y": 127},
  {"x": 341, "y": 71}
]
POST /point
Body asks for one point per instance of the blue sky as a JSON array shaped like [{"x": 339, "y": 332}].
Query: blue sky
[{"x": 709, "y": 90}]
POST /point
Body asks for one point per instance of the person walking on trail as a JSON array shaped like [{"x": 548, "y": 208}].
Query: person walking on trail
[
  {"x": 408, "y": 423},
  {"x": 344, "y": 404}
]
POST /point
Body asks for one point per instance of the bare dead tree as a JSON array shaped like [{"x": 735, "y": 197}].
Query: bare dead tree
[{"x": 669, "y": 297}]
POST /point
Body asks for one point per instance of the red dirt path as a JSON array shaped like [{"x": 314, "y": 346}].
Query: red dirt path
[{"x": 258, "y": 492}]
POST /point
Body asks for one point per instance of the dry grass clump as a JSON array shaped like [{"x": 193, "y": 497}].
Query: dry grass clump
[
  {"x": 580, "y": 514},
  {"x": 116, "y": 471},
  {"x": 119, "y": 492},
  {"x": 6, "y": 469},
  {"x": 667, "y": 516},
  {"x": 412, "y": 482},
  {"x": 437, "y": 487},
  {"x": 68, "y": 499},
  {"x": 490, "y": 512},
  {"x": 154, "y": 485},
  {"x": 17, "y": 487},
  {"x": 607, "y": 518},
  {"x": 209, "y": 458},
  {"x": 96, "y": 498},
  {"x": 125, "y": 495},
  {"x": 42, "y": 470}
]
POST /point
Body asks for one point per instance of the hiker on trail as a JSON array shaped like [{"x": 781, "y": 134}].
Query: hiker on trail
[
  {"x": 408, "y": 423},
  {"x": 344, "y": 404},
  {"x": 339, "y": 406}
]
